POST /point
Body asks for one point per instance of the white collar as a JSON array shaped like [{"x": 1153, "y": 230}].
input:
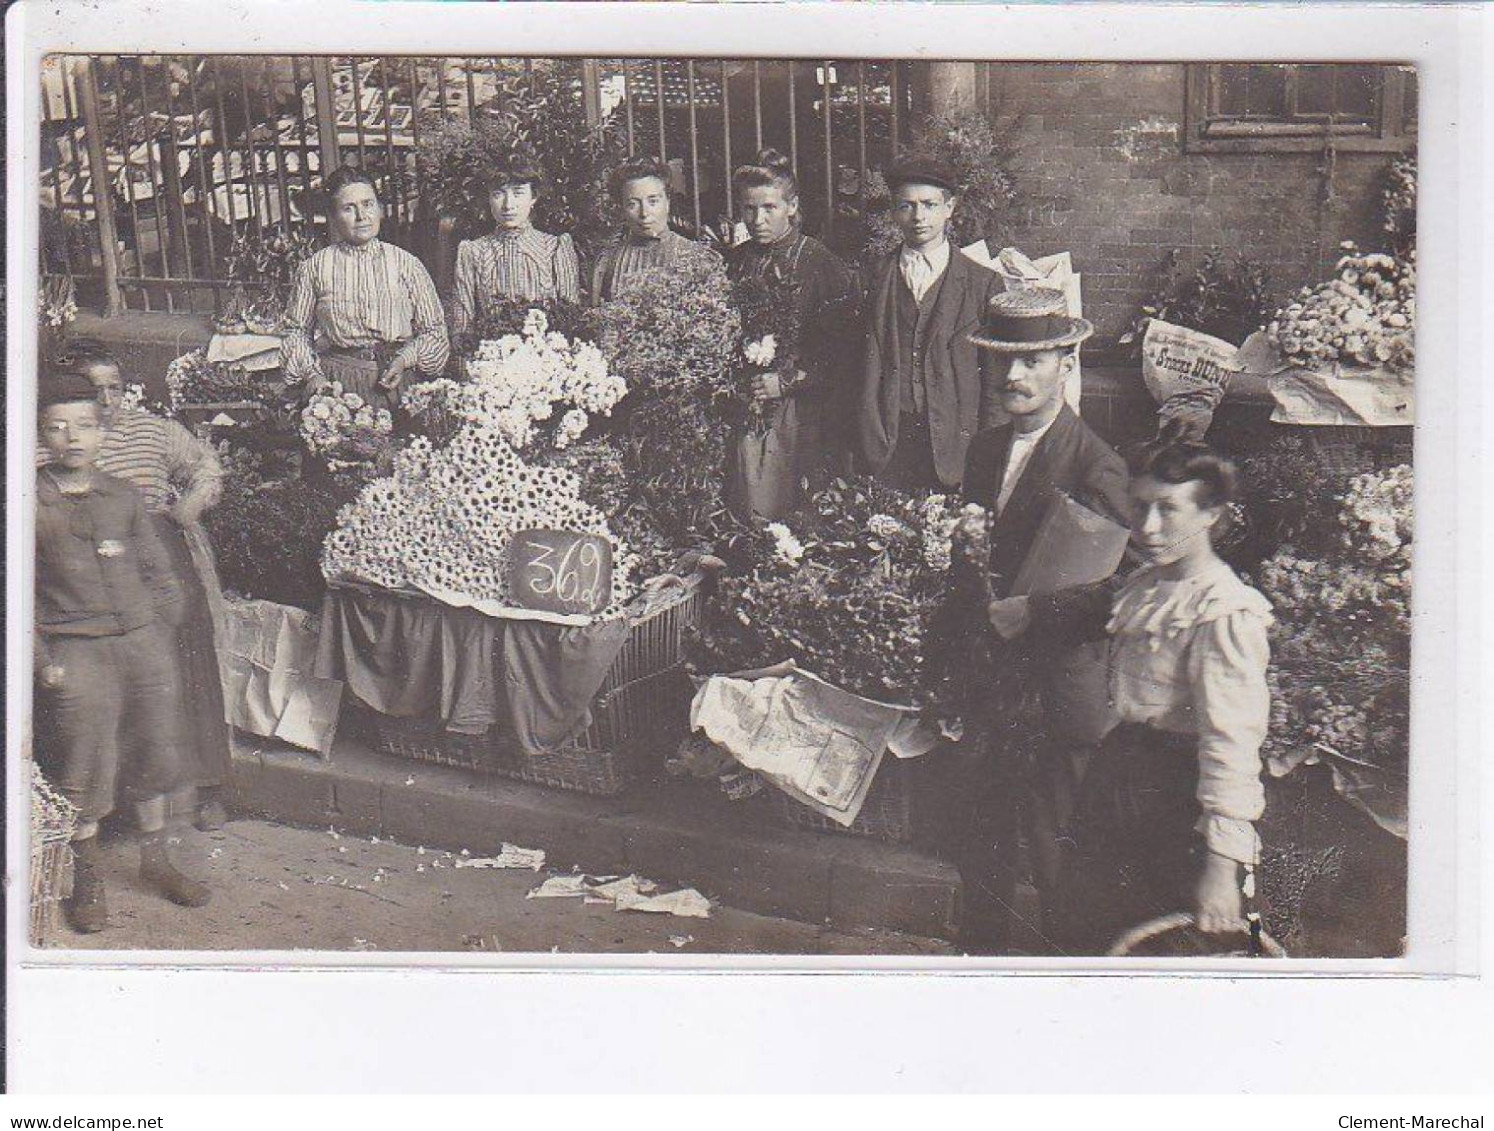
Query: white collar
[
  {"x": 938, "y": 259},
  {"x": 1031, "y": 438}
]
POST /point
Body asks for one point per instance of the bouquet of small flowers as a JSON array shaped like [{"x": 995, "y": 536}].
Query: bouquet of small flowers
[
  {"x": 1365, "y": 315},
  {"x": 847, "y": 594},
  {"x": 1341, "y": 644},
  {"x": 770, "y": 339},
  {"x": 537, "y": 388},
  {"x": 444, "y": 520},
  {"x": 345, "y": 429}
]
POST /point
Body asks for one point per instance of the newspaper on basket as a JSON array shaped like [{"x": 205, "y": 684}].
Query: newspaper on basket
[
  {"x": 1355, "y": 395},
  {"x": 1186, "y": 372},
  {"x": 1053, "y": 271},
  {"x": 819, "y": 744}
]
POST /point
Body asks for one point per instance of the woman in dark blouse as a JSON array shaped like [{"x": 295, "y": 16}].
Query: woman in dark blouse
[{"x": 799, "y": 403}]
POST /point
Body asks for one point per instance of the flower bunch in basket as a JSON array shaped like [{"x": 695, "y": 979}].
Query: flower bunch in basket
[
  {"x": 1365, "y": 315},
  {"x": 537, "y": 388},
  {"x": 770, "y": 340},
  {"x": 1341, "y": 644},
  {"x": 444, "y": 520},
  {"x": 847, "y": 593},
  {"x": 192, "y": 379},
  {"x": 345, "y": 429}
]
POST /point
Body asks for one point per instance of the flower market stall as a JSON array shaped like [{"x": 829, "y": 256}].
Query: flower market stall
[{"x": 430, "y": 615}]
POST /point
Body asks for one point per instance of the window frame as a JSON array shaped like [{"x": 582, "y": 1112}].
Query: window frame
[{"x": 1388, "y": 134}]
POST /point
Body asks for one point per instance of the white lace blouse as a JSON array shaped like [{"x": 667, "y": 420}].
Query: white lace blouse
[{"x": 1190, "y": 657}]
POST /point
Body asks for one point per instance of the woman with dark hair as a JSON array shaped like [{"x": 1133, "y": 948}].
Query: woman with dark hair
[
  {"x": 179, "y": 478},
  {"x": 1166, "y": 818},
  {"x": 516, "y": 260},
  {"x": 362, "y": 312},
  {"x": 769, "y": 463},
  {"x": 640, "y": 188}
]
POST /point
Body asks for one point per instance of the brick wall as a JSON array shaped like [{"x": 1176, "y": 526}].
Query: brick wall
[{"x": 1098, "y": 157}]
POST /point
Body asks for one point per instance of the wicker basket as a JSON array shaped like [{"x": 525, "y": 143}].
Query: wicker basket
[
  {"x": 52, "y": 823},
  {"x": 886, "y": 814},
  {"x": 642, "y": 701}
]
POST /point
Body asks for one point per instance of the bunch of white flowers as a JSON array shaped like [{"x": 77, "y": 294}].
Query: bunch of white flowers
[
  {"x": 1365, "y": 315},
  {"x": 344, "y": 427},
  {"x": 133, "y": 398},
  {"x": 937, "y": 519},
  {"x": 885, "y": 527},
  {"x": 520, "y": 381},
  {"x": 445, "y": 519},
  {"x": 763, "y": 352},
  {"x": 786, "y": 546},
  {"x": 1376, "y": 515}
]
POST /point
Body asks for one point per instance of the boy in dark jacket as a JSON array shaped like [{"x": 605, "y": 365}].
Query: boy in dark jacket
[{"x": 108, "y": 718}]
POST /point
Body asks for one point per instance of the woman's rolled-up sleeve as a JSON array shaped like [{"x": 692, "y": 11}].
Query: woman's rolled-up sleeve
[{"x": 1227, "y": 669}]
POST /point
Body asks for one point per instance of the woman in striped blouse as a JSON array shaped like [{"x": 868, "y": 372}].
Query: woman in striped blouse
[
  {"x": 640, "y": 186},
  {"x": 180, "y": 478},
  {"x": 371, "y": 305},
  {"x": 514, "y": 261}
]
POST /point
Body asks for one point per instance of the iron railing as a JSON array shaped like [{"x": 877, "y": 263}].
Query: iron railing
[{"x": 195, "y": 151}]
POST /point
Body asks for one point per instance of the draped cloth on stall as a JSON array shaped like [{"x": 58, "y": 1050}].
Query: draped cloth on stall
[{"x": 414, "y": 657}]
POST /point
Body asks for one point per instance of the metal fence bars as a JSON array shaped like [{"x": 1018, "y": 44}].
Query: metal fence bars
[{"x": 198, "y": 154}]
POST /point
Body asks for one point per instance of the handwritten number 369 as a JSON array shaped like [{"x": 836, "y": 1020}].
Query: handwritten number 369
[{"x": 573, "y": 579}]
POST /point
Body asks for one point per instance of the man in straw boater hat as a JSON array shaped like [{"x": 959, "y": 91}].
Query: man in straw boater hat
[
  {"x": 922, "y": 396},
  {"x": 1038, "y": 702}
]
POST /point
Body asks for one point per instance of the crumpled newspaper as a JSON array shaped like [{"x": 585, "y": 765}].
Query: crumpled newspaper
[
  {"x": 625, "y": 893},
  {"x": 512, "y": 856}
]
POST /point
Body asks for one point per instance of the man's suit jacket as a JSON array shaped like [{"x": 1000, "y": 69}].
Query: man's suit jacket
[
  {"x": 1069, "y": 459},
  {"x": 959, "y": 404},
  {"x": 1072, "y": 460}
]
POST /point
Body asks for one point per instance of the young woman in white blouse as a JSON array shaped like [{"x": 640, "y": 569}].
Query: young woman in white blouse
[{"x": 1166, "y": 821}]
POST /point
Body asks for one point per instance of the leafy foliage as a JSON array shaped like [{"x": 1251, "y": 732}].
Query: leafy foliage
[
  {"x": 546, "y": 124},
  {"x": 847, "y": 594},
  {"x": 1225, "y": 296},
  {"x": 267, "y": 531}
]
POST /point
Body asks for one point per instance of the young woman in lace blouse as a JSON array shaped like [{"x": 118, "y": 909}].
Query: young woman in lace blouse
[{"x": 1170, "y": 801}]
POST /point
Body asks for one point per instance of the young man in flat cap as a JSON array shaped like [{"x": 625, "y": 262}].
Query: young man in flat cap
[
  {"x": 1018, "y": 471},
  {"x": 922, "y": 395}
]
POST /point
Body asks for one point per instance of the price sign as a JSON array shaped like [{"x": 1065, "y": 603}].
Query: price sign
[{"x": 558, "y": 571}]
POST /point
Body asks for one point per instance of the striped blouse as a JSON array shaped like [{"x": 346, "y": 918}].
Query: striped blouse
[
  {"x": 358, "y": 296},
  {"x": 527, "y": 265},
  {"x": 159, "y": 458},
  {"x": 626, "y": 260}
]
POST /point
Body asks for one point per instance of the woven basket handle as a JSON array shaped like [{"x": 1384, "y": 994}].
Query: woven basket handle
[{"x": 1133, "y": 938}]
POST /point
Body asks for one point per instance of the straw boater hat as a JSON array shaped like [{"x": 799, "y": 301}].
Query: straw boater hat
[{"x": 1028, "y": 320}]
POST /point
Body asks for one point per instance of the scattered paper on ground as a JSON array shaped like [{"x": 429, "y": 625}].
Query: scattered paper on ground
[
  {"x": 559, "y": 887},
  {"x": 688, "y": 903},
  {"x": 512, "y": 856},
  {"x": 681, "y": 940},
  {"x": 629, "y": 893}
]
